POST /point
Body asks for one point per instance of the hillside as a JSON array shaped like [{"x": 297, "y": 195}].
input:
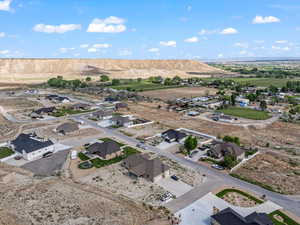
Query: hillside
[{"x": 37, "y": 70}]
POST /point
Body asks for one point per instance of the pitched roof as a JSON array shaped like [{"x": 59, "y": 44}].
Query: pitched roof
[
  {"x": 227, "y": 148},
  {"x": 105, "y": 148},
  {"x": 174, "y": 134},
  {"x": 67, "y": 127},
  {"x": 29, "y": 143},
  {"x": 101, "y": 113},
  {"x": 44, "y": 110},
  {"x": 120, "y": 119},
  {"x": 230, "y": 217}
]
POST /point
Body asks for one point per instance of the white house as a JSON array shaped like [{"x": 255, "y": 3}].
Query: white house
[{"x": 31, "y": 147}]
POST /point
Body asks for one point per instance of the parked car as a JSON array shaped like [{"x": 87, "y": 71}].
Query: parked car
[
  {"x": 216, "y": 166},
  {"x": 174, "y": 177},
  {"x": 141, "y": 145},
  {"x": 18, "y": 157}
]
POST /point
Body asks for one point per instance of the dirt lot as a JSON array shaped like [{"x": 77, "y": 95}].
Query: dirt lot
[
  {"x": 143, "y": 132},
  {"x": 174, "y": 93},
  {"x": 284, "y": 177},
  {"x": 26, "y": 200},
  {"x": 12, "y": 104},
  {"x": 7, "y": 129},
  {"x": 238, "y": 200}
]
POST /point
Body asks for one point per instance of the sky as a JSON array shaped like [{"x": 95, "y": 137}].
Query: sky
[{"x": 149, "y": 29}]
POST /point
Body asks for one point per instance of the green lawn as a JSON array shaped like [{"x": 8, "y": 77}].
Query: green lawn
[
  {"x": 65, "y": 112},
  {"x": 5, "y": 152},
  {"x": 127, "y": 151},
  {"x": 109, "y": 139},
  {"x": 287, "y": 220},
  {"x": 142, "y": 86},
  {"x": 246, "y": 113},
  {"x": 83, "y": 156},
  {"x": 222, "y": 193}
]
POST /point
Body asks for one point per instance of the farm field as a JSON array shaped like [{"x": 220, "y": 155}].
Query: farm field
[
  {"x": 246, "y": 113},
  {"x": 174, "y": 93}
]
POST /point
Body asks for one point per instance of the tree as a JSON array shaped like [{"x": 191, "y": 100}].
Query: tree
[
  {"x": 263, "y": 105},
  {"x": 104, "y": 78},
  {"x": 190, "y": 143},
  {"x": 168, "y": 81},
  {"x": 115, "y": 82},
  {"x": 139, "y": 80},
  {"x": 88, "y": 79},
  {"x": 232, "y": 139},
  {"x": 229, "y": 161},
  {"x": 232, "y": 99}
]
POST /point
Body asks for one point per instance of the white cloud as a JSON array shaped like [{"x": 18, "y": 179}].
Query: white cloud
[
  {"x": 102, "y": 45},
  {"x": 153, "y": 50},
  {"x": 63, "y": 28},
  {"x": 2, "y": 34},
  {"x": 281, "y": 42},
  {"x": 189, "y": 8},
  {"x": 278, "y": 48},
  {"x": 192, "y": 40},
  {"x": 5, "y": 5},
  {"x": 241, "y": 45},
  {"x": 110, "y": 24},
  {"x": 266, "y": 19},
  {"x": 84, "y": 46},
  {"x": 65, "y": 50},
  {"x": 92, "y": 50},
  {"x": 168, "y": 43},
  {"x": 229, "y": 30},
  {"x": 207, "y": 32},
  {"x": 125, "y": 52},
  {"x": 220, "y": 55},
  {"x": 4, "y": 52}
]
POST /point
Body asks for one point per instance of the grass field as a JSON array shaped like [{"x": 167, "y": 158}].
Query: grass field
[
  {"x": 5, "y": 152},
  {"x": 286, "y": 219},
  {"x": 65, "y": 112},
  {"x": 260, "y": 82},
  {"x": 142, "y": 86},
  {"x": 246, "y": 113}
]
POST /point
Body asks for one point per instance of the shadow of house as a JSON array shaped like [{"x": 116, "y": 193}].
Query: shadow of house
[
  {"x": 140, "y": 165},
  {"x": 106, "y": 150}
]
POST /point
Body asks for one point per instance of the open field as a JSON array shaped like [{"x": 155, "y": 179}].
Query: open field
[
  {"x": 10, "y": 104},
  {"x": 283, "y": 177},
  {"x": 26, "y": 200},
  {"x": 174, "y": 93},
  {"x": 7, "y": 129},
  {"x": 246, "y": 113}
]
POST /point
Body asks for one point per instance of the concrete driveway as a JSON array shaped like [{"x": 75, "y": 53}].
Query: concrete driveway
[
  {"x": 165, "y": 145},
  {"x": 47, "y": 166},
  {"x": 177, "y": 188}
]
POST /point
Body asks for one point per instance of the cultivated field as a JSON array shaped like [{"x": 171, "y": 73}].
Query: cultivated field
[
  {"x": 246, "y": 113},
  {"x": 174, "y": 93}
]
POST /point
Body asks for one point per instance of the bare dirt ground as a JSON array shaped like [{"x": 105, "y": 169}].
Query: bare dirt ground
[
  {"x": 281, "y": 173},
  {"x": 20, "y": 103},
  {"x": 29, "y": 201},
  {"x": 238, "y": 200},
  {"x": 174, "y": 93},
  {"x": 7, "y": 129}
]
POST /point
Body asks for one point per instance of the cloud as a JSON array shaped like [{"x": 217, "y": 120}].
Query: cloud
[
  {"x": 92, "y": 50},
  {"x": 189, "y": 8},
  {"x": 125, "y": 52},
  {"x": 207, "y": 32},
  {"x": 63, "y": 28},
  {"x": 5, "y": 5},
  {"x": 168, "y": 43},
  {"x": 84, "y": 46},
  {"x": 278, "y": 48},
  {"x": 4, "y": 52},
  {"x": 281, "y": 42},
  {"x": 221, "y": 55},
  {"x": 153, "y": 50},
  {"x": 192, "y": 40},
  {"x": 110, "y": 24},
  {"x": 65, "y": 50},
  {"x": 2, "y": 34},
  {"x": 102, "y": 45},
  {"x": 229, "y": 30},
  {"x": 266, "y": 19},
  {"x": 241, "y": 45}
]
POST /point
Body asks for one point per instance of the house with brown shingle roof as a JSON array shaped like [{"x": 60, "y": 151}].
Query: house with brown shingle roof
[
  {"x": 221, "y": 149},
  {"x": 140, "y": 165},
  {"x": 106, "y": 150}
]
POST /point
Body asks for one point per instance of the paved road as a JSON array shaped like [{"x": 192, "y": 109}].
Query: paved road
[{"x": 290, "y": 203}]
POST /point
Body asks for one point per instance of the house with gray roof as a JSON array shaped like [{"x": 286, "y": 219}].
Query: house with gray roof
[
  {"x": 172, "y": 135},
  {"x": 67, "y": 128},
  {"x": 230, "y": 217},
  {"x": 30, "y": 146},
  {"x": 140, "y": 165},
  {"x": 102, "y": 114},
  {"x": 220, "y": 149},
  {"x": 106, "y": 150},
  {"x": 121, "y": 121}
]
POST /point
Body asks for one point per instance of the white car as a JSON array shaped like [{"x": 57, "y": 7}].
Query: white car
[{"x": 216, "y": 166}]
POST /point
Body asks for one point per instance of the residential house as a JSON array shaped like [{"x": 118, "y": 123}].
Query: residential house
[
  {"x": 243, "y": 102},
  {"x": 121, "y": 105},
  {"x": 39, "y": 113},
  {"x": 220, "y": 149},
  {"x": 102, "y": 114},
  {"x": 58, "y": 99},
  {"x": 121, "y": 121},
  {"x": 173, "y": 135},
  {"x": 67, "y": 128},
  {"x": 81, "y": 106},
  {"x": 30, "y": 146},
  {"x": 106, "y": 150},
  {"x": 230, "y": 217},
  {"x": 140, "y": 165}
]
